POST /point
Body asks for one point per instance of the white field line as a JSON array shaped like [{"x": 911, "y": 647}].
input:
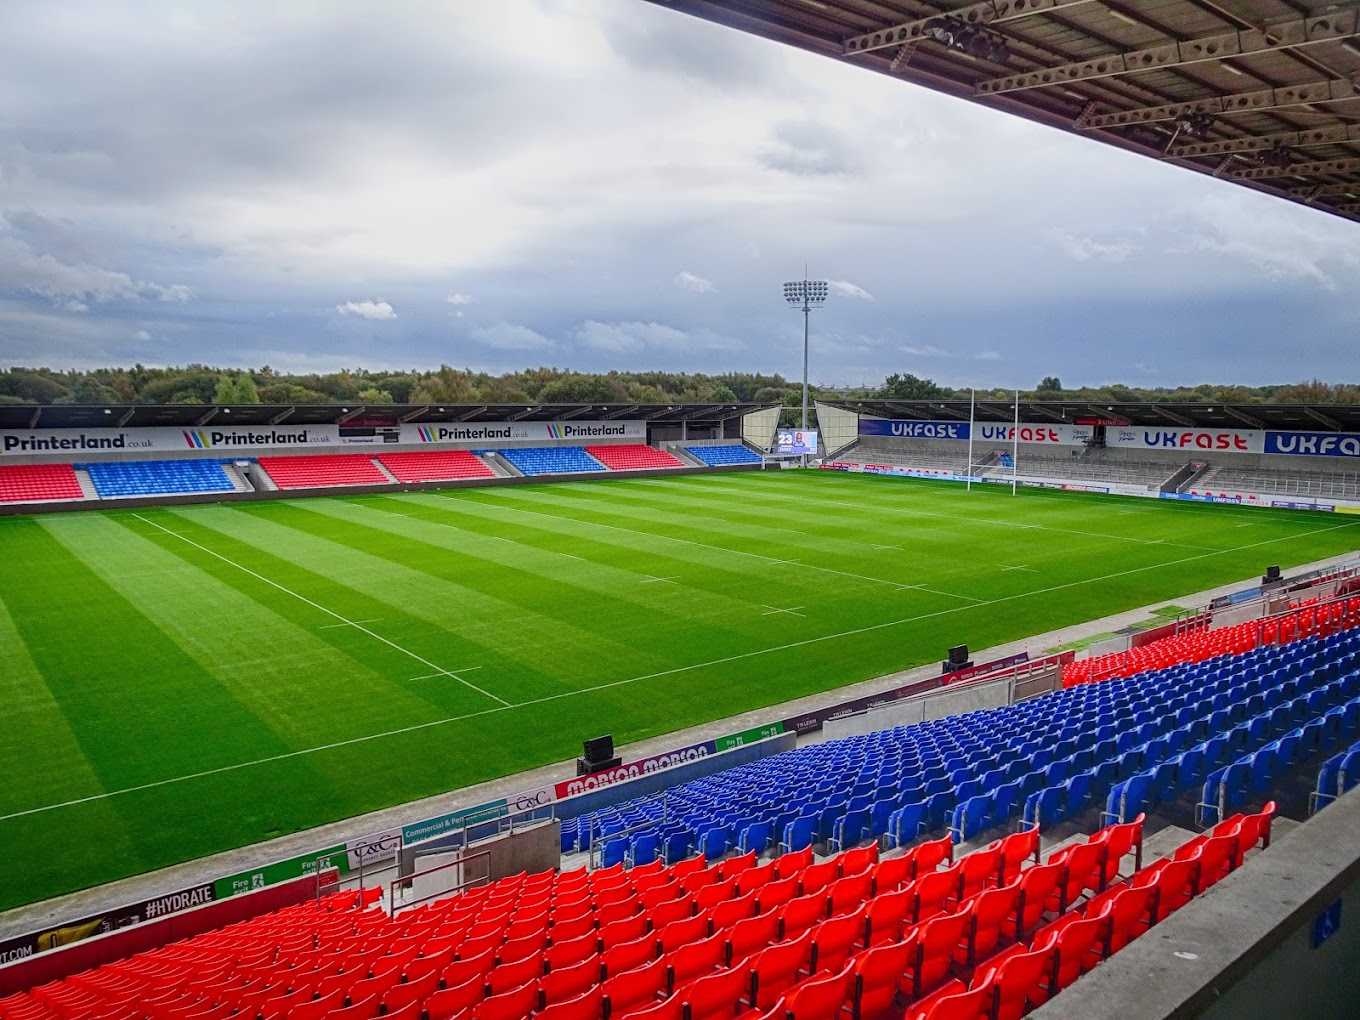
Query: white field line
[
  {"x": 329, "y": 612},
  {"x": 792, "y": 612},
  {"x": 652, "y": 676},
  {"x": 711, "y": 548},
  {"x": 969, "y": 519}
]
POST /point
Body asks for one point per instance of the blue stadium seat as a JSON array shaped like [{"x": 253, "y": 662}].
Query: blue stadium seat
[
  {"x": 157, "y": 477},
  {"x": 734, "y": 453},
  {"x": 551, "y": 460}
]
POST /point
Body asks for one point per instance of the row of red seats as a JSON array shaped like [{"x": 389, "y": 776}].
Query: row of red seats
[
  {"x": 32, "y": 483},
  {"x": 435, "y": 465},
  {"x": 1021, "y": 978},
  {"x": 320, "y": 471},
  {"x": 632, "y": 457},
  {"x": 1306, "y": 619},
  {"x": 688, "y": 942}
]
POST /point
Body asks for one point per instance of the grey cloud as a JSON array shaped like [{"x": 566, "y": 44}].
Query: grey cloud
[
  {"x": 25, "y": 271},
  {"x": 509, "y": 336},
  {"x": 691, "y": 49},
  {"x": 808, "y": 148},
  {"x": 622, "y": 337}
]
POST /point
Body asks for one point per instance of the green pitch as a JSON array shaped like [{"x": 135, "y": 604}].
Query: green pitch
[{"x": 177, "y": 682}]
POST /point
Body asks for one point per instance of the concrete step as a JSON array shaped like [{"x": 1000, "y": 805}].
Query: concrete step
[{"x": 86, "y": 484}]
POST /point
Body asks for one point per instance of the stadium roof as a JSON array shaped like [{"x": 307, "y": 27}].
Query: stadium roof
[
  {"x": 60, "y": 416},
  {"x": 1264, "y": 93},
  {"x": 1169, "y": 415}
]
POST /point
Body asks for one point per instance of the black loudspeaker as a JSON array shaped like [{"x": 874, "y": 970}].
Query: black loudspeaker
[
  {"x": 958, "y": 659},
  {"x": 599, "y": 749},
  {"x": 1272, "y": 576}
]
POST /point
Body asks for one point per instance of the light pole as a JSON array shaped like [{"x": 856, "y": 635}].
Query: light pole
[{"x": 804, "y": 295}]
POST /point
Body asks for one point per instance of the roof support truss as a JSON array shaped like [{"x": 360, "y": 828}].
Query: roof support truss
[
  {"x": 1333, "y": 91},
  {"x": 1283, "y": 35},
  {"x": 1331, "y": 134},
  {"x": 985, "y": 13},
  {"x": 1319, "y": 416},
  {"x": 1320, "y": 166},
  {"x": 1245, "y": 418}
]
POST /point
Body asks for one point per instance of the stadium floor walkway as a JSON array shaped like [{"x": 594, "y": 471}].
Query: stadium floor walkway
[{"x": 35, "y": 916}]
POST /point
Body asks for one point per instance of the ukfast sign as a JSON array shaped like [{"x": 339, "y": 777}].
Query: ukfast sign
[
  {"x": 985, "y": 432},
  {"x": 1049, "y": 435},
  {"x": 1314, "y": 444},
  {"x": 229, "y": 439},
  {"x": 1188, "y": 440}
]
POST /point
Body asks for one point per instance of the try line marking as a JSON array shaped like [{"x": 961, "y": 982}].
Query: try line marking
[
  {"x": 343, "y": 622},
  {"x": 651, "y": 676}
]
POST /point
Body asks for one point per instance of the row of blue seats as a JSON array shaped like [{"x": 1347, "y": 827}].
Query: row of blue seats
[
  {"x": 1339, "y": 774},
  {"x": 1255, "y": 764},
  {"x": 904, "y": 782},
  {"x": 714, "y": 456},
  {"x": 551, "y": 460},
  {"x": 157, "y": 477}
]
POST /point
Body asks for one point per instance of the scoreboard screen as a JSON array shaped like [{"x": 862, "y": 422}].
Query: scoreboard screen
[{"x": 791, "y": 442}]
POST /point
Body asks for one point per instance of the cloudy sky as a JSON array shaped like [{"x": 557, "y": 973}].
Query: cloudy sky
[{"x": 602, "y": 184}]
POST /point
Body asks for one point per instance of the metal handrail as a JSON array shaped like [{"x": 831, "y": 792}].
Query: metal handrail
[{"x": 408, "y": 881}]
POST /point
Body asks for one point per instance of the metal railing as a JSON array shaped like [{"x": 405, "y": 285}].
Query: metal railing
[{"x": 406, "y": 884}]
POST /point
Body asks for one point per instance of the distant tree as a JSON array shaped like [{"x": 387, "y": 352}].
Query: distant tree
[
  {"x": 226, "y": 390},
  {"x": 723, "y": 395},
  {"x": 246, "y": 390},
  {"x": 448, "y": 386},
  {"x": 909, "y": 387},
  {"x": 373, "y": 395},
  {"x": 1049, "y": 384}
]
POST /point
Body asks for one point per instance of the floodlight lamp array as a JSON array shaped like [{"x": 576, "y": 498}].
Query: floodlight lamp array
[
  {"x": 812, "y": 292},
  {"x": 958, "y": 34}
]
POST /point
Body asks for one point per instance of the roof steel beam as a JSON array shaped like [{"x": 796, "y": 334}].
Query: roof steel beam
[
  {"x": 1326, "y": 191},
  {"x": 1328, "y": 135},
  {"x": 1319, "y": 416},
  {"x": 1243, "y": 417},
  {"x": 1317, "y": 166},
  {"x": 1333, "y": 91},
  {"x": 1291, "y": 34},
  {"x": 980, "y": 14},
  {"x": 1179, "y": 419}
]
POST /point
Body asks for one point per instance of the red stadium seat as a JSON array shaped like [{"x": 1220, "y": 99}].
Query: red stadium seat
[
  {"x": 589, "y": 1005},
  {"x": 564, "y": 983},
  {"x": 454, "y": 1000},
  {"x": 435, "y": 465},
  {"x": 833, "y": 941},
  {"x": 936, "y": 942},
  {"x": 775, "y": 969},
  {"x": 38, "y": 483},
  {"x": 821, "y": 998},
  {"x": 878, "y": 976},
  {"x": 683, "y": 932},
  {"x": 629, "y": 955},
  {"x": 632, "y": 457},
  {"x": 750, "y": 936},
  {"x": 513, "y": 1005},
  {"x": 719, "y": 996},
  {"x": 695, "y": 960},
  {"x": 568, "y": 954},
  {"x": 633, "y": 988},
  {"x": 891, "y": 873},
  {"x": 320, "y": 471}
]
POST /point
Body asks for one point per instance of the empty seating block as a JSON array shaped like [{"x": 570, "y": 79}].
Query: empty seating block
[
  {"x": 734, "y": 453},
  {"x": 632, "y": 457},
  {"x": 435, "y": 465},
  {"x": 157, "y": 477},
  {"x": 480, "y": 954},
  {"x": 1228, "y": 726},
  {"x": 551, "y": 460},
  {"x": 318, "y": 472},
  {"x": 37, "y": 483}
]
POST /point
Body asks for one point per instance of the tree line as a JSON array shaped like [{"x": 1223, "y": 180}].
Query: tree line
[{"x": 204, "y": 384}]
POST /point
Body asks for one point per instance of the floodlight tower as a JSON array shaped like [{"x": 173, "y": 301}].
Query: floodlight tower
[{"x": 804, "y": 295}]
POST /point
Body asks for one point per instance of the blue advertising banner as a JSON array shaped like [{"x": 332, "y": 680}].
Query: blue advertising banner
[
  {"x": 1314, "y": 444},
  {"x": 913, "y": 429}
]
